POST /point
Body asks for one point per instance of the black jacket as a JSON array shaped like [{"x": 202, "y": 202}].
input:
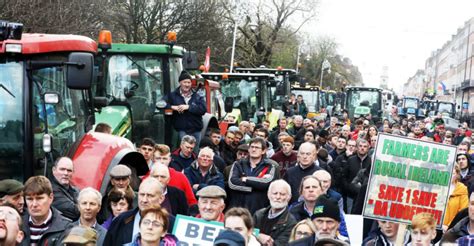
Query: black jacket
[
  {"x": 55, "y": 233},
  {"x": 294, "y": 175},
  {"x": 190, "y": 120},
  {"x": 177, "y": 198},
  {"x": 251, "y": 194},
  {"x": 281, "y": 230},
  {"x": 459, "y": 230},
  {"x": 353, "y": 166},
  {"x": 337, "y": 167},
  {"x": 65, "y": 200},
  {"x": 298, "y": 211},
  {"x": 227, "y": 152},
  {"x": 121, "y": 230}
]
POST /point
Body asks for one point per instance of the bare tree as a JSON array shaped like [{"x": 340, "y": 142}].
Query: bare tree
[
  {"x": 262, "y": 27},
  {"x": 55, "y": 16}
]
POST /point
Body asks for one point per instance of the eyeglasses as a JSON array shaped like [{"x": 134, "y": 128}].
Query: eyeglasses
[
  {"x": 155, "y": 223},
  {"x": 8, "y": 215}
]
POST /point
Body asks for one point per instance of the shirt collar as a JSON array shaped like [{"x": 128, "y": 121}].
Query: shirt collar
[{"x": 50, "y": 216}]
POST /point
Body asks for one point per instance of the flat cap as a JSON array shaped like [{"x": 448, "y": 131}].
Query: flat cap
[
  {"x": 10, "y": 187},
  {"x": 120, "y": 171},
  {"x": 243, "y": 147},
  {"x": 81, "y": 235},
  {"x": 211, "y": 191}
]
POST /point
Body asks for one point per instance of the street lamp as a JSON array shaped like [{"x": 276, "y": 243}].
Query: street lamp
[{"x": 324, "y": 66}]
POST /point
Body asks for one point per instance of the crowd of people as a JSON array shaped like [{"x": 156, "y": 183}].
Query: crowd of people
[{"x": 295, "y": 183}]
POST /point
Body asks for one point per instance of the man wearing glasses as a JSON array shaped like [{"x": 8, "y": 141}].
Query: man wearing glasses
[
  {"x": 250, "y": 178},
  {"x": 10, "y": 221}
]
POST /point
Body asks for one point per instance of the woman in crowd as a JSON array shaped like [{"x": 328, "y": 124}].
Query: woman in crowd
[
  {"x": 304, "y": 228},
  {"x": 118, "y": 201},
  {"x": 458, "y": 196},
  {"x": 153, "y": 226},
  {"x": 239, "y": 219}
]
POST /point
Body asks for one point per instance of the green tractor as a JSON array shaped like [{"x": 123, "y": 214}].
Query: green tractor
[{"x": 133, "y": 79}]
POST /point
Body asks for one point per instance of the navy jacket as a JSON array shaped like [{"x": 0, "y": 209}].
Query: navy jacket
[
  {"x": 190, "y": 120},
  {"x": 212, "y": 177},
  {"x": 294, "y": 175}
]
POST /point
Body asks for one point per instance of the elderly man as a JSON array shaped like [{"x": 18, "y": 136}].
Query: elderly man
[
  {"x": 244, "y": 127},
  {"x": 89, "y": 202},
  {"x": 184, "y": 155},
  {"x": 211, "y": 203},
  {"x": 297, "y": 125},
  {"x": 65, "y": 195},
  {"x": 126, "y": 226},
  {"x": 46, "y": 222},
  {"x": 177, "y": 179},
  {"x": 10, "y": 232},
  {"x": 120, "y": 178},
  {"x": 250, "y": 178},
  {"x": 175, "y": 199},
  {"x": 203, "y": 172},
  {"x": 304, "y": 166},
  {"x": 326, "y": 218},
  {"x": 11, "y": 192},
  {"x": 275, "y": 222},
  {"x": 188, "y": 108}
]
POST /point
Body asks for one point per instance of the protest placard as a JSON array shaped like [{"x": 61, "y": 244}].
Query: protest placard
[
  {"x": 408, "y": 176},
  {"x": 192, "y": 231}
]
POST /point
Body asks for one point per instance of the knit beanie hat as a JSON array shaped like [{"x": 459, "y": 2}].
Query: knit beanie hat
[
  {"x": 184, "y": 75},
  {"x": 326, "y": 207}
]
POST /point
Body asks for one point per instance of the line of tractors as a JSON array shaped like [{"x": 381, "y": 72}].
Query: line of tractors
[{"x": 55, "y": 88}]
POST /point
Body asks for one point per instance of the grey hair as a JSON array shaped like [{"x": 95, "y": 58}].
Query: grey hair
[
  {"x": 208, "y": 150},
  {"x": 188, "y": 139},
  {"x": 90, "y": 190},
  {"x": 278, "y": 182}
]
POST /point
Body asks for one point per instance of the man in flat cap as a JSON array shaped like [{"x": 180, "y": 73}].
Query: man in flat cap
[
  {"x": 211, "y": 203},
  {"x": 65, "y": 194},
  {"x": 120, "y": 178},
  {"x": 188, "y": 108},
  {"x": 81, "y": 235},
  {"x": 11, "y": 192}
]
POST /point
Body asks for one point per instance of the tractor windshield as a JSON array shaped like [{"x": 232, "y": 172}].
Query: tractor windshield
[
  {"x": 365, "y": 101},
  {"x": 137, "y": 81},
  {"x": 11, "y": 119},
  {"x": 310, "y": 98},
  {"x": 244, "y": 93},
  {"x": 65, "y": 120},
  {"x": 411, "y": 103},
  {"x": 445, "y": 108}
]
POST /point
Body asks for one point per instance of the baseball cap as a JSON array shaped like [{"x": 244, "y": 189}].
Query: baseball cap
[{"x": 229, "y": 238}]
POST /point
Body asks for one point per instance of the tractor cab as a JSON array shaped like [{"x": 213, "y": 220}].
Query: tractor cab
[
  {"x": 311, "y": 97},
  {"x": 410, "y": 107},
  {"x": 364, "y": 101}
]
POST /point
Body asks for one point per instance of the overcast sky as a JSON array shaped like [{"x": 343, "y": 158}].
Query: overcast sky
[{"x": 400, "y": 34}]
